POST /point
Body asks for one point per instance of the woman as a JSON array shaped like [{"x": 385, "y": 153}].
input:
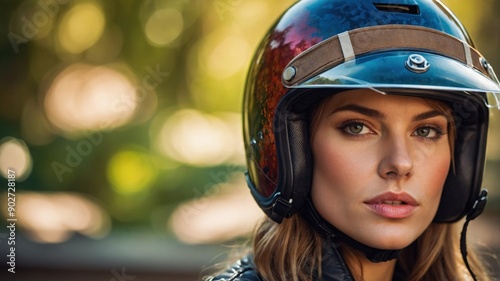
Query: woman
[{"x": 365, "y": 125}]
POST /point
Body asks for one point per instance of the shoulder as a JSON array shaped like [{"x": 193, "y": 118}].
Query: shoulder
[{"x": 242, "y": 270}]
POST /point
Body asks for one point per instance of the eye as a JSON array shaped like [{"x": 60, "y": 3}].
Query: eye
[
  {"x": 355, "y": 128},
  {"x": 429, "y": 132},
  {"x": 425, "y": 132}
]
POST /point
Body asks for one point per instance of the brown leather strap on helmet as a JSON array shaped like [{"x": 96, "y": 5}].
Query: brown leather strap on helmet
[{"x": 347, "y": 45}]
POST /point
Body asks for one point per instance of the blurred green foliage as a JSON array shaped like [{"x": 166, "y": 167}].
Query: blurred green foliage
[{"x": 178, "y": 54}]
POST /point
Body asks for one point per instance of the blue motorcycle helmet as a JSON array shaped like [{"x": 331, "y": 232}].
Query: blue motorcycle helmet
[{"x": 321, "y": 47}]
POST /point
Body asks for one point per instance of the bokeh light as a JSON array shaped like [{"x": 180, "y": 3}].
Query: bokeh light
[
  {"x": 225, "y": 56},
  {"x": 54, "y": 217},
  {"x": 192, "y": 137},
  {"x": 227, "y": 213},
  {"x": 163, "y": 27},
  {"x": 256, "y": 13},
  {"x": 90, "y": 98},
  {"x": 15, "y": 155},
  {"x": 217, "y": 69},
  {"x": 131, "y": 171},
  {"x": 81, "y": 27}
]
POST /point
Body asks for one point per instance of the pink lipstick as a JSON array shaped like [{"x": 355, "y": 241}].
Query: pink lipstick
[{"x": 392, "y": 205}]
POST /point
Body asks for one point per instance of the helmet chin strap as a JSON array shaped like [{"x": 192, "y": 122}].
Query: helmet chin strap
[
  {"x": 476, "y": 210},
  {"x": 322, "y": 226}
]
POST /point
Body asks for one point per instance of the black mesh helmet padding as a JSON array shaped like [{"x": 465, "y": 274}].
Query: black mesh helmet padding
[
  {"x": 294, "y": 153},
  {"x": 464, "y": 179}
]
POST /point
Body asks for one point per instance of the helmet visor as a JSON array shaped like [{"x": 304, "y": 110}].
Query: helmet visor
[{"x": 407, "y": 70}]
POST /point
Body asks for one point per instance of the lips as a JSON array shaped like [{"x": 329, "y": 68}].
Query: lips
[{"x": 392, "y": 205}]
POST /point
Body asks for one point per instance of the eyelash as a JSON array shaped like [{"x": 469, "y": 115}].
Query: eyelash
[{"x": 439, "y": 130}]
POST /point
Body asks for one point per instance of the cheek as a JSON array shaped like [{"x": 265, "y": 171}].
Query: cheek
[
  {"x": 334, "y": 166},
  {"x": 342, "y": 160},
  {"x": 433, "y": 176},
  {"x": 329, "y": 164},
  {"x": 339, "y": 175}
]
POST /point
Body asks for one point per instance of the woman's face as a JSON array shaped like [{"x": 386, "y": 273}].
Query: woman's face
[{"x": 380, "y": 162}]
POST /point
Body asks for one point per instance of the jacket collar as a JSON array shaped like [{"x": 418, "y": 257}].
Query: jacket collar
[{"x": 333, "y": 265}]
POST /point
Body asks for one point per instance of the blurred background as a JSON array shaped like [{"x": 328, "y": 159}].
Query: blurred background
[{"x": 122, "y": 122}]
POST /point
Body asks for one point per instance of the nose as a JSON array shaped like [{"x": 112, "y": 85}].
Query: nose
[{"x": 396, "y": 162}]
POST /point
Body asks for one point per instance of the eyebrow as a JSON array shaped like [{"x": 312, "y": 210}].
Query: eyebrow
[
  {"x": 360, "y": 109},
  {"x": 379, "y": 115},
  {"x": 428, "y": 114}
]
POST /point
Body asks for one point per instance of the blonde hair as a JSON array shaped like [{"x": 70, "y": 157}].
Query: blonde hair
[
  {"x": 292, "y": 251},
  {"x": 288, "y": 251}
]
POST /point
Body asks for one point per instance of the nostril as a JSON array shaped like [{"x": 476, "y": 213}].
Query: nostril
[
  {"x": 397, "y": 8},
  {"x": 391, "y": 174},
  {"x": 401, "y": 172}
]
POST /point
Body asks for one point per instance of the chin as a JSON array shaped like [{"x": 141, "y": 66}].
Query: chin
[{"x": 388, "y": 240}]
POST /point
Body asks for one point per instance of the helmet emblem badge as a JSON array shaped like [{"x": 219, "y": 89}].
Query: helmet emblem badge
[{"x": 417, "y": 63}]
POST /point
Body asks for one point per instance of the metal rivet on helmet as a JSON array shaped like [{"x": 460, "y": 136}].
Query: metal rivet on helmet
[
  {"x": 489, "y": 68},
  {"x": 289, "y": 73},
  {"x": 253, "y": 142},
  {"x": 417, "y": 63},
  {"x": 484, "y": 63}
]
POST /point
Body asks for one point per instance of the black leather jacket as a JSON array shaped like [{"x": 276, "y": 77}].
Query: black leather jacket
[
  {"x": 333, "y": 265},
  {"x": 242, "y": 270},
  {"x": 333, "y": 269}
]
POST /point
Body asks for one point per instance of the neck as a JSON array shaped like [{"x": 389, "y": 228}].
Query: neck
[{"x": 365, "y": 270}]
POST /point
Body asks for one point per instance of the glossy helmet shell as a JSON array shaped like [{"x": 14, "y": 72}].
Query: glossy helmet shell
[{"x": 276, "y": 114}]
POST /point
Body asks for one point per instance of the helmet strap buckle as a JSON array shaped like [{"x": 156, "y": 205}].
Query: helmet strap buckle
[{"x": 281, "y": 209}]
